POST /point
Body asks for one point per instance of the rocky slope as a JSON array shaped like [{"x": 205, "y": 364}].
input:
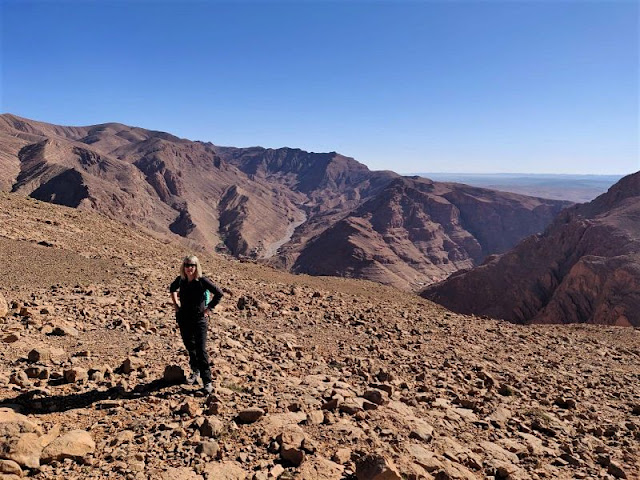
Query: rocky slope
[
  {"x": 585, "y": 268},
  {"x": 316, "y": 377},
  {"x": 276, "y": 205},
  {"x": 419, "y": 231}
]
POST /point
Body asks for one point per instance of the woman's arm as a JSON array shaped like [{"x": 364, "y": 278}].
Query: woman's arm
[
  {"x": 217, "y": 294},
  {"x": 175, "y": 300},
  {"x": 175, "y": 293}
]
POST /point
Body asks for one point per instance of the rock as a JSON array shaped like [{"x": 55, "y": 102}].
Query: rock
[
  {"x": 421, "y": 430},
  {"x": 50, "y": 436},
  {"x": 342, "y": 456},
  {"x": 500, "y": 416},
  {"x": 351, "y": 406},
  {"x": 4, "y": 307},
  {"x": 316, "y": 417},
  {"x": 73, "y": 444},
  {"x": 24, "y": 449},
  {"x": 498, "y": 453},
  {"x": 131, "y": 364},
  {"x": 379, "y": 397},
  {"x": 451, "y": 471},
  {"x": 226, "y": 470},
  {"x": 211, "y": 427},
  {"x": 209, "y": 448},
  {"x": 76, "y": 375},
  {"x": 291, "y": 441},
  {"x": 182, "y": 473},
  {"x": 125, "y": 436},
  {"x": 64, "y": 330},
  {"x": 425, "y": 458},
  {"x": 376, "y": 467},
  {"x": 9, "y": 467},
  {"x": 11, "y": 338},
  {"x": 318, "y": 468},
  {"x": 39, "y": 355},
  {"x": 276, "y": 471},
  {"x": 333, "y": 403},
  {"x": 19, "y": 378},
  {"x": 250, "y": 415},
  {"x": 174, "y": 374},
  {"x": 190, "y": 408},
  {"x": 13, "y": 422},
  {"x": 616, "y": 470}
]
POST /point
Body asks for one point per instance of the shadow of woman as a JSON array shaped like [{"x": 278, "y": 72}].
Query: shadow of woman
[{"x": 37, "y": 402}]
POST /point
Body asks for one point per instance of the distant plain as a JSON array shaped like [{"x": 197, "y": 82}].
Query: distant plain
[{"x": 575, "y": 188}]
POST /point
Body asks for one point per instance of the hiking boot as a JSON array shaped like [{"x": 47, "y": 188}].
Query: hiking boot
[
  {"x": 208, "y": 387},
  {"x": 193, "y": 378}
]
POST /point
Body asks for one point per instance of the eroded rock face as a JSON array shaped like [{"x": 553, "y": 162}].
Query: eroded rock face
[
  {"x": 318, "y": 213},
  {"x": 585, "y": 268},
  {"x": 415, "y": 232}
]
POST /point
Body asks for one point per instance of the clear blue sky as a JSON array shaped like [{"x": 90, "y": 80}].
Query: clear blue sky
[{"x": 463, "y": 86}]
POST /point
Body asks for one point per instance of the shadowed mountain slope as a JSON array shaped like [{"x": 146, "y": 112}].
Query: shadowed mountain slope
[
  {"x": 419, "y": 231},
  {"x": 585, "y": 268},
  {"x": 322, "y": 213}
]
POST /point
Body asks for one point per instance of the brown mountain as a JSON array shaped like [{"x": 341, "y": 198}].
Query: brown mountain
[
  {"x": 585, "y": 268},
  {"x": 320, "y": 213},
  {"x": 148, "y": 178},
  {"x": 419, "y": 231},
  {"x": 401, "y": 231}
]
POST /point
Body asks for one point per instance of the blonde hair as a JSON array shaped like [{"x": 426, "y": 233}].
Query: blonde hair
[{"x": 191, "y": 259}]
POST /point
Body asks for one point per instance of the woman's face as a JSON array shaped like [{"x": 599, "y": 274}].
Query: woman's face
[{"x": 190, "y": 270}]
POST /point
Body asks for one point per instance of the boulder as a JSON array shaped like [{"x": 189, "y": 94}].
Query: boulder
[
  {"x": 9, "y": 467},
  {"x": 13, "y": 422},
  {"x": 250, "y": 415},
  {"x": 76, "y": 375},
  {"x": 39, "y": 355},
  {"x": 174, "y": 374},
  {"x": 73, "y": 444},
  {"x": 226, "y": 470},
  {"x": 376, "y": 467},
  {"x": 291, "y": 441},
  {"x": 318, "y": 468},
  {"x": 24, "y": 449}
]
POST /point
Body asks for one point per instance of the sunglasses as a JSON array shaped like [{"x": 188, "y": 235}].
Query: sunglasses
[{"x": 187, "y": 265}]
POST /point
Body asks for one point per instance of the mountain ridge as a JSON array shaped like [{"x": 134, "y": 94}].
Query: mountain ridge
[
  {"x": 266, "y": 204},
  {"x": 584, "y": 268}
]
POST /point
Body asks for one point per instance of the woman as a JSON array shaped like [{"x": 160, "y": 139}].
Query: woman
[{"x": 188, "y": 294}]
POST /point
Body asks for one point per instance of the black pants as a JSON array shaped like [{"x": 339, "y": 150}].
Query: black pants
[{"x": 193, "y": 329}]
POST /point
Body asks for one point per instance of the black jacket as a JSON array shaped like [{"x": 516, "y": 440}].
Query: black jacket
[{"x": 192, "y": 294}]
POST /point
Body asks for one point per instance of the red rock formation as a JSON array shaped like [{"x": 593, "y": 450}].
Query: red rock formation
[
  {"x": 286, "y": 206},
  {"x": 416, "y": 231},
  {"x": 585, "y": 268}
]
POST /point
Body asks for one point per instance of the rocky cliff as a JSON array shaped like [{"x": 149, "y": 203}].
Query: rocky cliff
[{"x": 585, "y": 268}]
